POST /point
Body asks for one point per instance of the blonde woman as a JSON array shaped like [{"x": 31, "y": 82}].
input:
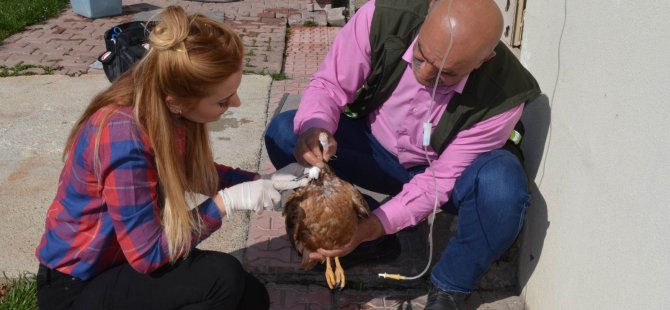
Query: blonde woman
[{"x": 120, "y": 234}]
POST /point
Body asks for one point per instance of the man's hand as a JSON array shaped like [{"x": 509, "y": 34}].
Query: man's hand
[
  {"x": 285, "y": 178},
  {"x": 253, "y": 196},
  {"x": 368, "y": 229},
  {"x": 308, "y": 149}
]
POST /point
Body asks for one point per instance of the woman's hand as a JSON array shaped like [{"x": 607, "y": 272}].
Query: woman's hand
[
  {"x": 285, "y": 178},
  {"x": 253, "y": 196}
]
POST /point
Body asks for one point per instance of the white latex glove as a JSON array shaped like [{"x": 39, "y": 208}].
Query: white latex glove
[
  {"x": 253, "y": 196},
  {"x": 285, "y": 178}
]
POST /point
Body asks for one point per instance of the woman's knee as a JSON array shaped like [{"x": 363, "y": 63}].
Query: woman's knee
[
  {"x": 256, "y": 296},
  {"x": 218, "y": 265}
]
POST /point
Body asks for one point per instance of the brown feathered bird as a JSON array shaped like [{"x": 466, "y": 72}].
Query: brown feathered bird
[{"x": 324, "y": 214}]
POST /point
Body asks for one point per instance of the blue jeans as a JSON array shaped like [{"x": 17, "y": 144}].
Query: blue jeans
[{"x": 490, "y": 197}]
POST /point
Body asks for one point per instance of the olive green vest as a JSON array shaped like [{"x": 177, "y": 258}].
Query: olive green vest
[{"x": 498, "y": 85}]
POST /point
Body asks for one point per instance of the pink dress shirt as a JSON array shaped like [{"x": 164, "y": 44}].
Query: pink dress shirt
[{"x": 397, "y": 125}]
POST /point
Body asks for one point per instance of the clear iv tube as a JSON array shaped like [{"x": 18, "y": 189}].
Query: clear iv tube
[{"x": 431, "y": 218}]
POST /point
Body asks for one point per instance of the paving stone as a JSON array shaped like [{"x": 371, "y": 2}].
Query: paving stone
[
  {"x": 25, "y": 50},
  {"x": 335, "y": 16},
  {"x": 146, "y": 15},
  {"x": 318, "y": 17},
  {"x": 58, "y": 31},
  {"x": 17, "y": 59},
  {"x": 508, "y": 303},
  {"x": 295, "y": 19}
]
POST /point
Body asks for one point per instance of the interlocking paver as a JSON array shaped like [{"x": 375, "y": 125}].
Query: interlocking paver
[{"x": 82, "y": 37}]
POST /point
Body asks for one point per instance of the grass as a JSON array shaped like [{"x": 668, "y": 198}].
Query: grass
[
  {"x": 278, "y": 76},
  {"x": 19, "y": 294},
  {"x": 22, "y": 69},
  {"x": 15, "y": 15}
]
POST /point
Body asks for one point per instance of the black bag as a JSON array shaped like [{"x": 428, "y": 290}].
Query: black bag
[{"x": 126, "y": 43}]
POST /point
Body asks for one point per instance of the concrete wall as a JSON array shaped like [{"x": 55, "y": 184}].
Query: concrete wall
[{"x": 598, "y": 149}]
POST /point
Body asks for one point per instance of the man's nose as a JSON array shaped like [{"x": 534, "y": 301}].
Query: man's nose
[{"x": 425, "y": 71}]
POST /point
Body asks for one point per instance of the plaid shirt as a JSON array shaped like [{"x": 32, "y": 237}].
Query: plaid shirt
[{"x": 108, "y": 215}]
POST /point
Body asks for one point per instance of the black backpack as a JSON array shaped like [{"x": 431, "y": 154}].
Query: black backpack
[{"x": 126, "y": 44}]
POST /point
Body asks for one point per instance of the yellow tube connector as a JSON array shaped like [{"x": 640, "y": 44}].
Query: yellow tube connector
[{"x": 393, "y": 276}]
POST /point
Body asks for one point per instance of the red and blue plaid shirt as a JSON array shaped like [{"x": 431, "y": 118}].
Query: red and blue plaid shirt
[{"x": 108, "y": 215}]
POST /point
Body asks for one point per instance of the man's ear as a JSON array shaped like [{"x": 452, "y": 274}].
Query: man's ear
[{"x": 487, "y": 58}]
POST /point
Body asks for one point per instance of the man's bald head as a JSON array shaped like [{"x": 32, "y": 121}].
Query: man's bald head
[
  {"x": 474, "y": 26},
  {"x": 478, "y": 22}
]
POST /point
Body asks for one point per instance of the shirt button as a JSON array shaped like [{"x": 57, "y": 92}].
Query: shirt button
[{"x": 401, "y": 149}]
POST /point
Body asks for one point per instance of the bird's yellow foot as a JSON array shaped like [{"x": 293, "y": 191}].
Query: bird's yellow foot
[
  {"x": 340, "y": 280},
  {"x": 335, "y": 279},
  {"x": 330, "y": 276}
]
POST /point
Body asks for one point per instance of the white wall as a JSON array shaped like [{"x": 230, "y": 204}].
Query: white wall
[{"x": 598, "y": 148}]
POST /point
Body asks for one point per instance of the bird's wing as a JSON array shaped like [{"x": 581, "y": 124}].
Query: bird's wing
[
  {"x": 297, "y": 225},
  {"x": 359, "y": 204},
  {"x": 293, "y": 217}
]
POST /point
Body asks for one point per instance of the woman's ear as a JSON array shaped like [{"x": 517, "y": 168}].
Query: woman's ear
[{"x": 174, "y": 108}]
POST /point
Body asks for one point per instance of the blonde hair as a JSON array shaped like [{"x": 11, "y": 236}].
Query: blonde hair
[{"x": 188, "y": 56}]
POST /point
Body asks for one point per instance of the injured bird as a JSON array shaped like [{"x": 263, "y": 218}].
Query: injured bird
[{"x": 324, "y": 214}]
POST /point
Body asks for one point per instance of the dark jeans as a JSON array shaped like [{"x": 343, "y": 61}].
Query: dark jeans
[
  {"x": 490, "y": 197},
  {"x": 206, "y": 280}
]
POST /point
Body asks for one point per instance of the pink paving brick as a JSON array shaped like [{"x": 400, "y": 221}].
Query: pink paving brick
[
  {"x": 263, "y": 220},
  {"x": 279, "y": 243},
  {"x": 60, "y": 30},
  {"x": 17, "y": 59}
]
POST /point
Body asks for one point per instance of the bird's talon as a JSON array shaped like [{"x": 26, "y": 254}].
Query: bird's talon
[
  {"x": 339, "y": 273},
  {"x": 330, "y": 276}
]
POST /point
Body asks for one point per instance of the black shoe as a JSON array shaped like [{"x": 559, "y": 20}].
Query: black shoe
[
  {"x": 441, "y": 300},
  {"x": 379, "y": 251}
]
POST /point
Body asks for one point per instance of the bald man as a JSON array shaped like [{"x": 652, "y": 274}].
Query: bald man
[{"x": 372, "y": 95}]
